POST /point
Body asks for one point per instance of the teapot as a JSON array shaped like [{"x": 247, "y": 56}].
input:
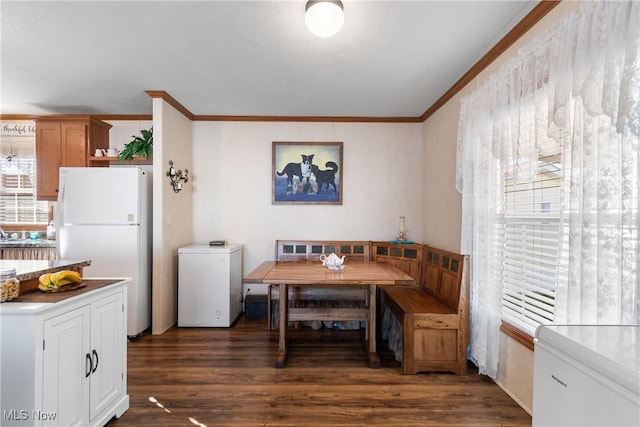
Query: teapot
[{"x": 333, "y": 262}]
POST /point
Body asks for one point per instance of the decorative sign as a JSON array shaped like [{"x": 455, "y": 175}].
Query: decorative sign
[{"x": 17, "y": 129}]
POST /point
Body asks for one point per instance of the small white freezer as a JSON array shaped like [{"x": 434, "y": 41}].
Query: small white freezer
[
  {"x": 209, "y": 285},
  {"x": 587, "y": 375}
]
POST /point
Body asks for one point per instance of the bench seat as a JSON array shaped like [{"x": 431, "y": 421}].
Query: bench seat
[
  {"x": 410, "y": 300},
  {"x": 433, "y": 317}
]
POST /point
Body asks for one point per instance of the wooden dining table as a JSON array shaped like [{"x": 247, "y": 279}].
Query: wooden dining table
[{"x": 368, "y": 275}]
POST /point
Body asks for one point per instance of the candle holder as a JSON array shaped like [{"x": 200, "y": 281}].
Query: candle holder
[
  {"x": 177, "y": 177},
  {"x": 402, "y": 233}
]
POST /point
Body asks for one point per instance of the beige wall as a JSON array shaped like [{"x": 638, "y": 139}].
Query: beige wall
[
  {"x": 383, "y": 179},
  {"x": 172, "y": 136},
  {"x": 442, "y": 205}
]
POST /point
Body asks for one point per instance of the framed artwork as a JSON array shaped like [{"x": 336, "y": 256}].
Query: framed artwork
[{"x": 307, "y": 173}]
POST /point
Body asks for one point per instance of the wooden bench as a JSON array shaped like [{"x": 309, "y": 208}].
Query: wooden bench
[
  {"x": 434, "y": 316},
  {"x": 302, "y": 299}
]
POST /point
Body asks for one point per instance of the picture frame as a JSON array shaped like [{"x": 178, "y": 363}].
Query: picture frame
[{"x": 307, "y": 173}]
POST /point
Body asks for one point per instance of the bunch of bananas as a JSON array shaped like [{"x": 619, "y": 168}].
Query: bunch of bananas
[{"x": 51, "y": 282}]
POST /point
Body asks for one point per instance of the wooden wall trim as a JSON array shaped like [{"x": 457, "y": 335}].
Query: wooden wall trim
[
  {"x": 171, "y": 101},
  {"x": 515, "y": 333},
  {"x": 108, "y": 117},
  {"x": 221, "y": 118},
  {"x": 18, "y": 117},
  {"x": 103, "y": 117},
  {"x": 66, "y": 117},
  {"x": 334, "y": 119},
  {"x": 532, "y": 18}
]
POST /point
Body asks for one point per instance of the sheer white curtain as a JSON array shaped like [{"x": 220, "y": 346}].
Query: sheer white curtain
[{"x": 573, "y": 91}]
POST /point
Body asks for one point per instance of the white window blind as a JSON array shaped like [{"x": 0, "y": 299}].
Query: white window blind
[
  {"x": 531, "y": 249},
  {"x": 18, "y": 204}
]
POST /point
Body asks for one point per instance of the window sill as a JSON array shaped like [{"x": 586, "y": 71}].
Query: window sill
[
  {"x": 518, "y": 335},
  {"x": 23, "y": 226}
]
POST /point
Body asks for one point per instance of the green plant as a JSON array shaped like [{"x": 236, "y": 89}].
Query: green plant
[{"x": 140, "y": 146}]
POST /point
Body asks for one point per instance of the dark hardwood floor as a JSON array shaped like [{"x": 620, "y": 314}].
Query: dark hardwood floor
[{"x": 226, "y": 377}]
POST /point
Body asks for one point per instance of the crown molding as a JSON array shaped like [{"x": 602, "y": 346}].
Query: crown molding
[
  {"x": 332, "y": 119},
  {"x": 18, "y": 117},
  {"x": 171, "y": 101},
  {"x": 108, "y": 117}
]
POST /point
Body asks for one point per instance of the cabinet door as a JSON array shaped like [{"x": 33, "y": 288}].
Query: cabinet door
[
  {"x": 74, "y": 144},
  {"x": 108, "y": 340},
  {"x": 65, "y": 397},
  {"x": 48, "y": 159}
]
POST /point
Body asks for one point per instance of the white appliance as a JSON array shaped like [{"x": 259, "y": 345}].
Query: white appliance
[
  {"x": 104, "y": 214},
  {"x": 209, "y": 285},
  {"x": 586, "y": 376}
]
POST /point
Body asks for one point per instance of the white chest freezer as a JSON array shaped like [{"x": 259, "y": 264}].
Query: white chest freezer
[
  {"x": 209, "y": 285},
  {"x": 587, "y": 375}
]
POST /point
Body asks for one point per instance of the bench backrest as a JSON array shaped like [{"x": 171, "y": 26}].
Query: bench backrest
[
  {"x": 436, "y": 271},
  {"x": 442, "y": 275},
  {"x": 310, "y": 250},
  {"x": 405, "y": 257}
]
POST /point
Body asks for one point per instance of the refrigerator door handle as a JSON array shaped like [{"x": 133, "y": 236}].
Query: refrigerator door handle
[
  {"x": 59, "y": 212},
  {"x": 60, "y": 204}
]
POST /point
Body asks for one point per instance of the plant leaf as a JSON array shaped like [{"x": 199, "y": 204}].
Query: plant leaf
[{"x": 139, "y": 146}]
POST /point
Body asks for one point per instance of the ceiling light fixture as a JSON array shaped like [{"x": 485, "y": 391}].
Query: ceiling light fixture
[{"x": 324, "y": 18}]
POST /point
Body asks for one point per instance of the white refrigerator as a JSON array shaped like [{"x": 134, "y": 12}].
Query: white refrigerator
[{"x": 104, "y": 215}]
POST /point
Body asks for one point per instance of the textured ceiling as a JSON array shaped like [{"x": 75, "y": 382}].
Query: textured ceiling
[{"x": 242, "y": 58}]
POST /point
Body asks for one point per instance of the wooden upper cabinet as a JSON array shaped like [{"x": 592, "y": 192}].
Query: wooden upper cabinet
[
  {"x": 65, "y": 141},
  {"x": 48, "y": 159},
  {"x": 74, "y": 144}
]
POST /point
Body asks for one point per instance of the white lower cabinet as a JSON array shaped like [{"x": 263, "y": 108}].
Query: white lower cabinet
[
  {"x": 65, "y": 392},
  {"x": 73, "y": 371},
  {"x": 107, "y": 373}
]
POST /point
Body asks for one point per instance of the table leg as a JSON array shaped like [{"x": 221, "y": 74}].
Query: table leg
[
  {"x": 374, "y": 359},
  {"x": 283, "y": 324}
]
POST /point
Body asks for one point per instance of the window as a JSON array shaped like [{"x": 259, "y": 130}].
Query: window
[
  {"x": 531, "y": 249},
  {"x": 18, "y": 204}
]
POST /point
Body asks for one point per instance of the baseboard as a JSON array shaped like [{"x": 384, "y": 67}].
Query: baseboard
[
  {"x": 117, "y": 409},
  {"x": 515, "y": 399}
]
